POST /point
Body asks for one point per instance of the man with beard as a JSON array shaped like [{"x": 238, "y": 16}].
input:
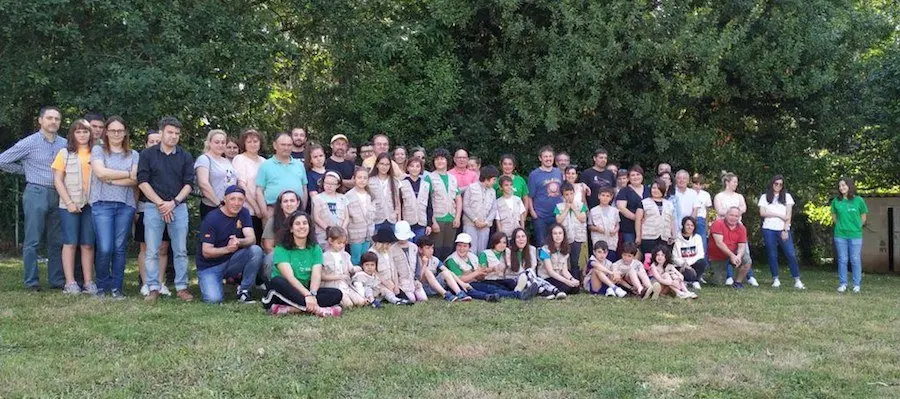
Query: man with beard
[
  {"x": 336, "y": 161},
  {"x": 298, "y": 142},
  {"x": 598, "y": 177}
]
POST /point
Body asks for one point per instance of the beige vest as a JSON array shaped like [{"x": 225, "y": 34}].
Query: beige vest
[
  {"x": 73, "y": 182},
  {"x": 415, "y": 204},
  {"x": 656, "y": 224},
  {"x": 558, "y": 262},
  {"x": 443, "y": 197},
  {"x": 509, "y": 218},
  {"x": 361, "y": 212},
  {"x": 479, "y": 203},
  {"x": 494, "y": 261},
  {"x": 383, "y": 200},
  {"x": 320, "y": 208}
]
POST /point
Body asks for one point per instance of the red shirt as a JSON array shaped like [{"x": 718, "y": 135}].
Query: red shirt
[{"x": 731, "y": 237}]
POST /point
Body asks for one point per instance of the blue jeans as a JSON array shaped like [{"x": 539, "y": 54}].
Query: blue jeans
[
  {"x": 703, "y": 231},
  {"x": 419, "y": 231},
  {"x": 77, "y": 228},
  {"x": 628, "y": 237},
  {"x": 112, "y": 224},
  {"x": 489, "y": 287},
  {"x": 153, "y": 232},
  {"x": 40, "y": 205},
  {"x": 729, "y": 271},
  {"x": 852, "y": 248},
  {"x": 245, "y": 262},
  {"x": 541, "y": 225},
  {"x": 773, "y": 240}
]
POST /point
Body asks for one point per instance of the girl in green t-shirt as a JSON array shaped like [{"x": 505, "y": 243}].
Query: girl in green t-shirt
[{"x": 848, "y": 211}]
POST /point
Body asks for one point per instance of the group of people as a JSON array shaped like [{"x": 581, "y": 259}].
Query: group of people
[{"x": 320, "y": 234}]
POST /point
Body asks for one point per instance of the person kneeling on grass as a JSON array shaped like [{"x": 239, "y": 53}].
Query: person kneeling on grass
[
  {"x": 728, "y": 245},
  {"x": 337, "y": 267},
  {"x": 496, "y": 261},
  {"x": 368, "y": 284},
  {"x": 633, "y": 271},
  {"x": 599, "y": 276},
  {"x": 665, "y": 273},
  {"x": 464, "y": 266},
  {"x": 297, "y": 276},
  {"x": 434, "y": 277},
  {"x": 228, "y": 249},
  {"x": 555, "y": 263}
]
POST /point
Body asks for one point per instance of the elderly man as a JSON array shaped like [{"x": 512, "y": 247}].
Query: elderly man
[
  {"x": 32, "y": 157},
  {"x": 728, "y": 246},
  {"x": 279, "y": 173},
  {"x": 687, "y": 201},
  {"x": 228, "y": 249}
]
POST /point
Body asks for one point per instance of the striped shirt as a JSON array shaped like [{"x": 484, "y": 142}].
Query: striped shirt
[{"x": 32, "y": 157}]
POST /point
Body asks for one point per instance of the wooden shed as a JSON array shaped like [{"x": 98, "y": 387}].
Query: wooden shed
[{"x": 881, "y": 235}]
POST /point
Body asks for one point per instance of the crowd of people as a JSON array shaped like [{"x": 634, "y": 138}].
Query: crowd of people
[{"x": 318, "y": 234}]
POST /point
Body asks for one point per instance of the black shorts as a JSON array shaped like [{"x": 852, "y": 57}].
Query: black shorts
[{"x": 139, "y": 229}]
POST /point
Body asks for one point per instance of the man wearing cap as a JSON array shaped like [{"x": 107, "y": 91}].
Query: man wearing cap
[
  {"x": 228, "y": 249},
  {"x": 337, "y": 162}
]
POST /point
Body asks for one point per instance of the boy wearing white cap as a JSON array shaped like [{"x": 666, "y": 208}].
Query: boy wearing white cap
[{"x": 464, "y": 265}]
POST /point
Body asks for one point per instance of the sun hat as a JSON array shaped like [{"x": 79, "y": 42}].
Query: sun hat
[
  {"x": 385, "y": 234},
  {"x": 403, "y": 231}
]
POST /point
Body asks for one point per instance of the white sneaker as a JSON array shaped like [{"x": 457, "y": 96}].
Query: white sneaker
[
  {"x": 163, "y": 290},
  {"x": 145, "y": 290},
  {"x": 694, "y": 295},
  {"x": 776, "y": 283},
  {"x": 620, "y": 292},
  {"x": 798, "y": 284},
  {"x": 842, "y": 288},
  {"x": 856, "y": 289},
  {"x": 696, "y": 285},
  {"x": 683, "y": 295},
  {"x": 561, "y": 295},
  {"x": 729, "y": 281},
  {"x": 610, "y": 292},
  {"x": 752, "y": 281}
]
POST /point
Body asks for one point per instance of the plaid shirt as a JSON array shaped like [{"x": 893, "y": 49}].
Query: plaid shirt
[{"x": 32, "y": 157}]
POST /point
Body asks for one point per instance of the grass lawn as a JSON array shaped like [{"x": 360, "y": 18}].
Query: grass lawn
[{"x": 759, "y": 342}]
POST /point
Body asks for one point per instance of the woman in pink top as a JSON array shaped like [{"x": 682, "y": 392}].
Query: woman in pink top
[
  {"x": 246, "y": 164},
  {"x": 464, "y": 176}
]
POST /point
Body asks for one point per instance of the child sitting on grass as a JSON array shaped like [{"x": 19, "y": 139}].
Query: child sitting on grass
[
  {"x": 670, "y": 279},
  {"x": 600, "y": 273},
  {"x": 633, "y": 271},
  {"x": 434, "y": 277},
  {"x": 337, "y": 268},
  {"x": 367, "y": 284}
]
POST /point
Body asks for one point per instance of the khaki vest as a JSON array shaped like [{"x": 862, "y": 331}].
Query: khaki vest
[
  {"x": 384, "y": 204},
  {"x": 558, "y": 262},
  {"x": 509, "y": 219},
  {"x": 362, "y": 218},
  {"x": 443, "y": 198},
  {"x": 494, "y": 261},
  {"x": 656, "y": 224},
  {"x": 415, "y": 205},
  {"x": 73, "y": 182},
  {"x": 479, "y": 203}
]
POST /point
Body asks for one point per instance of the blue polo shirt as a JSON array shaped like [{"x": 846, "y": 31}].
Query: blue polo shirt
[
  {"x": 275, "y": 177},
  {"x": 215, "y": 229}
]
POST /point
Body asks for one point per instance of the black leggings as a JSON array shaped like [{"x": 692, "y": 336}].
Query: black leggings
[
  {"x": 563, "y": 287},
  {"x": 694, "y": 272},
  {"x": 286, "y": 294}
]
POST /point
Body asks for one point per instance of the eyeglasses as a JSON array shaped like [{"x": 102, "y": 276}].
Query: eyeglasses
[{"x": 115, "y": 131}]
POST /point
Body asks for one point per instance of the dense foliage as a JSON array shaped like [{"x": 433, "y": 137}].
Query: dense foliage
[{"x": 808, "y": 88}]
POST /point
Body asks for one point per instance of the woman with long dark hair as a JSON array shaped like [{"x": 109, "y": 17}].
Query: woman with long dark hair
[
  {"x": 849, "y": 213},
  {"x": 776, "y": 208}
]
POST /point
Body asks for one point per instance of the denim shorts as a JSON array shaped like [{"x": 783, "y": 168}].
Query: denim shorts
[{"x": 77, "y": 228}]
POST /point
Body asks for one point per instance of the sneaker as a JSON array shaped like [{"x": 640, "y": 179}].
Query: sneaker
[
  {"x": 145, "y": 290},
  {"x": 72, "y": 289},
  {"x": 163, "y": 290},
  {"x": 842, "y": 288},
  {"x": 404, "y": 302},
  {"x": 799, "y": 285},
  {"x": 561, "y": 295},
  {"x": 620, "y": 292},
  {"x": 729, "y": 281},
  {"x": 90, "y": 288},
  {"x": 738, "y": 286},
  {"x": 702, "y": 280},
  {"x": 492, "y": 298},
  {"x": 245, "y": 297},
  {"x": 461, "y": 294},
  {"x": 648, "y": 292},
  {"x": 693, "y": 295},
  {"x": 278, "y": 310},
  {"x": 696, "y": 285},
  {"x": 752, "y": 281},
  {"x": 683, "y": 295},
  {"x": 856, "y": 289},
  {"x": 450, "y": 297},
  {"x": 118, "y": 295},
  {"x": 549, "y": 297},
  {"x": 610, "y": 292},
  {"x": 776, "y": 283},
  {"x": 100, "y": 294},
  {"x": 530, "y": 291},
  {"x": 465, "y": 298},
  {"x": 331, "y": 311},
  {"x": 376, "y": 304},
  {"x": 151, "y": 296},
  {"x": 184, "y": 295}
]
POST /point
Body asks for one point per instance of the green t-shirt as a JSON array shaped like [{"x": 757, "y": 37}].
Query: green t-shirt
[
  {"x": 301, "y": 260},
  {"x": 456, "y": 264},
  {"x": 519, "y": 186},
  {"x": 448, "y": 218},
  {"x": 849, "y": 216},
  {"x": 482, "y": 257},
  {"x": 558, "y": 210}
]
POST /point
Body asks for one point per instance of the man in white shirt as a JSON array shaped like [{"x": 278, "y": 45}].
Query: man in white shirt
[{"x": 686, "y": 200}]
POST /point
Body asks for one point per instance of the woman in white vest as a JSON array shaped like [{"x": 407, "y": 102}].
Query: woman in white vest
[
  {"x": 446, "y": 204},
  {"x": 655, "y": 219},
  {"x": 72, "y": 176},
  {"x": 415, "y": 199}
]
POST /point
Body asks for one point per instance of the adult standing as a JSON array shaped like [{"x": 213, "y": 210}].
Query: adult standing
[
  {"x": 247, "y": 165},
  {"x": 686, "y": 199},
  {"x": 464, "y": 176},
  {"x": 849, "y": 213},
  {"x": 628, "y": 201},
  {"x": 598, "y": 177},
  {"x": 153, "y": 138},
  {"x": 704, "y": 202},
  {"x": 400, "y": 157},
  {"x": 298, "y": 143},
  {"x": 655, "y": 219},
  {"x": 380, "y": 145},
  {"x": 279, "y": 173},
  {"x": 519, "y": 184},
  {"x": 228, "y": 249},
  {"x": 115, "y": 167},
  {"x": 32, "y": 157},
  {"x": 563, "y": 160},
  {"x": 725, "y": 200},
  {"x": 776, "y": 208},
  {"x": 165, "y": 174},
  {"x": 72, "y": 178},
  {"x": 385, "y": 189},
  {"x": 214, "y": 171},
  {"x": 232, "y": 149},
  {"x": 544, "y": 185},
  {"x": 337, "y": 161},
  {"x": 446, "y": 204},
  {"x": 98, "y": 125},
  {"x": 728, "y": 245}
]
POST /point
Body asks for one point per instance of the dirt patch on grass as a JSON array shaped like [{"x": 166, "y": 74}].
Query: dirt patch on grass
[
  {"x": 454, "y": 389},
  {"x": 664, "y": 382},
  {"x": 790, "y": 360},
  {"x": 714, "y": 329}
]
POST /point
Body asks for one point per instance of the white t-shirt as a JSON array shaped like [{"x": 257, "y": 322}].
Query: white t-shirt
[
  {"x": 726, "y": 202},
  {"x": 704, "y": 202},
  {"x": 687, "y": 201},
  {"x": 772, "y": 223},
  {"x": 608, "y": 219},
  {"x": 514, "y": 203}
]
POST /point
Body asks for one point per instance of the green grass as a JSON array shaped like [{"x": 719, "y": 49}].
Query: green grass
[{"x": 755, "y": 343}]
